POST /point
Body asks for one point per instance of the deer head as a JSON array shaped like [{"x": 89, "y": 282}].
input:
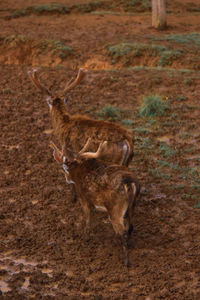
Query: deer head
[{"x": 49, "y": 97}]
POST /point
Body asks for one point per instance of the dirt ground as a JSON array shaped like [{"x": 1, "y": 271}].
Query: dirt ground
[{"x": 42, "y": 251}]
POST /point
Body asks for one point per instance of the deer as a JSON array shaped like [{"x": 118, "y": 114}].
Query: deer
[
  {"x": 74, "y": 130},
  {"x": 101, "y": 186}
]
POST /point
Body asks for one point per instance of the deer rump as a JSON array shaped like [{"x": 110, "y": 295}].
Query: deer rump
[{"x": 110, "y": 188}]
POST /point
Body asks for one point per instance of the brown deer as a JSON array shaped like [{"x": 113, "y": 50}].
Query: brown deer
[
  {"x": 74, "y": 130},
  {"x": 103, "y": 186}
]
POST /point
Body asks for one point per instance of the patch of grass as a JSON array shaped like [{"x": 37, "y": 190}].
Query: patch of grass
[
  {"x": 6, "y": 91},
  {"x": 186, "y": 196},
  {"x": 193, "y": 9},
  {"x": 190, "y": 39},
  {"x": 189, "y": 150},
  {"x": 197, "y": 205},
  {"x": 128, "y": 51},
  {"x": 179, "y": 186},
  {"x": 166, "y": 164},
  {"x": 137, "y": 5},
  {"x": 127, "y": 122},
  {"x": 157, "y": 174},
  {"x": 185, "y": 135},
  {"x": 152, "y": 106},
  {"x": 188, "y": 81},
  {"x": 110, "y": 113},
  {"x": 51, "y": 8},
  {"x": 181, "y": 97},
  {"x": 142, "y": 130},
  {"x": 104, "y": 12},
  {"x": 196, "y": 187},
  {"x": 13, "y": 40},
  {"x": 195, "y": 172},
  {"x": 173, "y": 116},
  {"x": 89, "y": 7},
  {"x": 168, "y": 56},
  {"x": 147, "y": 144},
  {"x": 165, "y": 150},
  {"x": 57, "y": 48}
]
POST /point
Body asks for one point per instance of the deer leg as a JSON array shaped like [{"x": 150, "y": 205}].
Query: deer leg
[
  {"x": 87, "y": 212},
  {"x": 121, "y": 227},
  {"x": 124, "y": 240}
]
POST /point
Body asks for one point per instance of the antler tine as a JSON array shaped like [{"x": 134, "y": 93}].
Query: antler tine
[
  {"x": 85, "y": 146},
  {"x": 57, "y": 154},
  {"x": 71, "y": 85},
  {"x": 95, "y": 154},
  {"x": 55, "y": 148},
  {"x": 33, "y": 76}
]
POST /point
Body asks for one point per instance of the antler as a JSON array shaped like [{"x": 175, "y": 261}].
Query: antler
[
  {"x": 85, "y": 146},
  {"x": 57, "y": 154},
  {"x": 33, "y": 76},
  {"x": 70, "y": 85},
  {"x": 95, "y": 154}
]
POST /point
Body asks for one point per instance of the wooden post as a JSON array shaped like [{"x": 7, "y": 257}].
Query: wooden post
[{"x": 159, "y": 14}]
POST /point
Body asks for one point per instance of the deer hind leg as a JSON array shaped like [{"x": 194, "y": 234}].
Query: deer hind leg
[
  {"x": 121, "y": 228},
  {"x": 132, "y": 207},
  {"x": 123, "y": 235}
]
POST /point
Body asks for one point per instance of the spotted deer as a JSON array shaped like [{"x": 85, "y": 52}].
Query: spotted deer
[
  {"x": 102, "y": 186},
  {"x": 74, "y": 130}
]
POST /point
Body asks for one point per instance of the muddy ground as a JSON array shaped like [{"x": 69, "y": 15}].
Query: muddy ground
[{"x": 42, "y": 251}]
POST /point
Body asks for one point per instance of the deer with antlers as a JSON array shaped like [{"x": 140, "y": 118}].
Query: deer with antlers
[
  {"x": 74, "y": 130},
  {"x": 103, "y": 186}
]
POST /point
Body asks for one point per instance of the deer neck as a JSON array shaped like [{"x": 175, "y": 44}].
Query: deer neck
[{"x": 60, "y": 121}]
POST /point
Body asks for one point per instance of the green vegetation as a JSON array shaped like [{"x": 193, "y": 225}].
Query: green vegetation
[
  {"x": 165, "y": 164},
  {"x": 142, "y": 130},
  {"x": 197, "y": 205},
  {"x": 90, "y": 6},
  {"x": 113, "y": 114},
  {"x": 193, "y": 9},
  {"x": 164, "y": 150},
  {"x": 129, "y": 51},
  {"x": 185, "y": 135},
  {"x": 105, "y": 12},
  {"x": 127, "y": 122},
  {"x": 181, "y": 97},
  {"x": 137, "y": 5},
  {"x": 147, "y": 144},
  {"x": 190, "y": 39},
  {"x": 110, "y": 113},
  {"x": 157, "y": 174},
  {"x": 53, "y": 47},
  {"x": 51, "y": 8},
  {"x": 15, "y": 40},
  {"x": 152, "y": 106}
]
